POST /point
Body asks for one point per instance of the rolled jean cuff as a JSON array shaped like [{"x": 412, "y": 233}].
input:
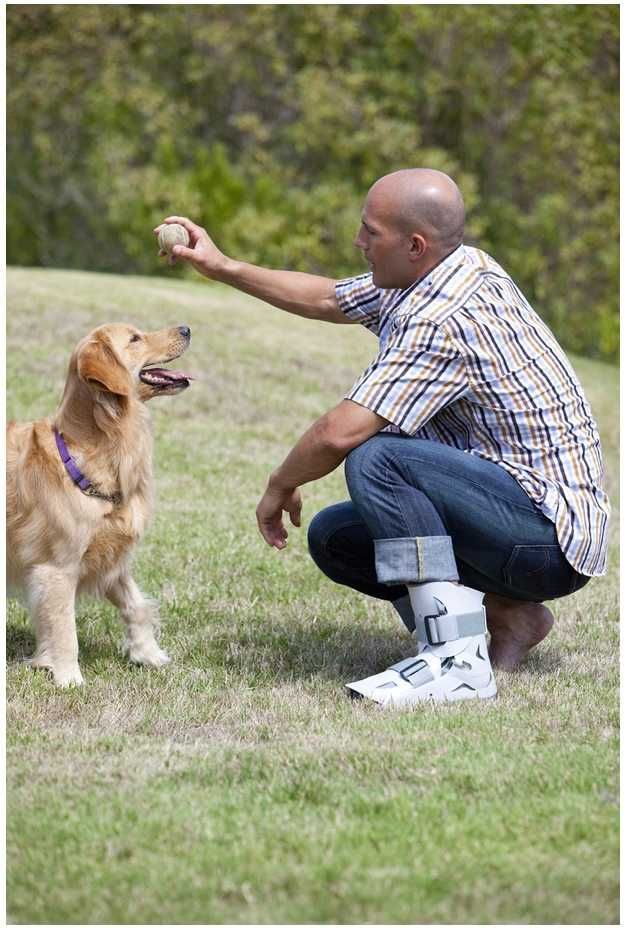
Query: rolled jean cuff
[{"x": 415, "y": 560}]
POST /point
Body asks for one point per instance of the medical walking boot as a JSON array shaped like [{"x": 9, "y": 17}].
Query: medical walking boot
[{"x": 454, "y": 664}]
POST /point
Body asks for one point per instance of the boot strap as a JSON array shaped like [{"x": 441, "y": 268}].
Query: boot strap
[
  {"x": 417, "y": 670},
  {"x": 436, "y": 629}
]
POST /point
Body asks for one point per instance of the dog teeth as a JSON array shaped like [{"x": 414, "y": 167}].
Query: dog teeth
[{"x": 164, "y": 378}]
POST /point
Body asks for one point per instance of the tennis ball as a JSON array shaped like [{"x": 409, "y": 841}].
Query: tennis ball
[{"x": 172, "y": 234}]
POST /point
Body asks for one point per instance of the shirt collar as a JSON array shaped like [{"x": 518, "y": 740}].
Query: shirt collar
[{"x": 454, "y": 258}]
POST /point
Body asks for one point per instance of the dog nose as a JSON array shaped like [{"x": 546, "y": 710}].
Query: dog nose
[{"x": 185, "y": 332}]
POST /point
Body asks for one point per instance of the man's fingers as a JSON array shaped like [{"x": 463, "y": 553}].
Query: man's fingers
[
  {"x": 183, "y": 252},
  {"x": 274, "y": 536},
  {"x": 189, "y": 225},
  {"x": 295, "y": 513},
  {"x": 271, "y": 528},
  {"x": 278, "y": 542},
  {"x": 269, "y": 516}
]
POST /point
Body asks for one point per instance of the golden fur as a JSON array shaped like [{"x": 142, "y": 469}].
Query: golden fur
[{"x": 61, "y": 542}]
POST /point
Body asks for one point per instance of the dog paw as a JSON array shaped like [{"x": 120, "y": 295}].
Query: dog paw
[
  {"x": 62, "y": 675},
  {"x": 67, "y": 676},
  {"x": 148, "y": 656},
  {"x": 40, "y": 662}
]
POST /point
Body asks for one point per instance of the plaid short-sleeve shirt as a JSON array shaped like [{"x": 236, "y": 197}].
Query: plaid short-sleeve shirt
[{"x": 464, "y": 360}]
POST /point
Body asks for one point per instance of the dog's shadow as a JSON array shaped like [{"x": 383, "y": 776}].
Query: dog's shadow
[{"x": 20, "y": 643}]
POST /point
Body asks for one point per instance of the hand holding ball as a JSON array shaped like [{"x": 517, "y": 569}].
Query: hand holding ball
[{"x": 172, "y": 234}]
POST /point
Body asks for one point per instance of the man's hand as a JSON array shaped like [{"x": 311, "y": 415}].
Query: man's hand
[
  {"x": 269, "y": 514},
  {"x": 311, "y": 296},
  {"x": 325, "y": 444},
  {"x": 202, "y": 253}
]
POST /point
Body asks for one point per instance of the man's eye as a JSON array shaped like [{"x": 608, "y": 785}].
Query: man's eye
[{"x": 134, "y": 338}]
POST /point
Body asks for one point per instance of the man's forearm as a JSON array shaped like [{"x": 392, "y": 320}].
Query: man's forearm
[
  {"x": 313, "y": 457},
  {"x": 318, "y": 452},
  {"x": 326, "y": 443},
  {"x": 311, "y": 296},
  {"x": 306, "y": 295}
]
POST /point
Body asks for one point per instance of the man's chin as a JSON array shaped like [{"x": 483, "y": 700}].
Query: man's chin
[{"x": 378, "y": 278}]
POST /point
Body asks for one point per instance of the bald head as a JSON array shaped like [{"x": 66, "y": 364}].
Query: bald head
[{"x": 425, "y": 201}]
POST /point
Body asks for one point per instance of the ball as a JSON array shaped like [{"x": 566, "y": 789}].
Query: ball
[{"x": 172, "y": 234}]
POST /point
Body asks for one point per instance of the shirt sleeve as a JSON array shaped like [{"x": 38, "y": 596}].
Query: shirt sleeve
[
  {"x": 360, "y": 300},
  {"x": 417, "y": 372}
]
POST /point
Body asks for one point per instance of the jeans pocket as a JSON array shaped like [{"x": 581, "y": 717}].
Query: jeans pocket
[{"x": 536, "y": 570}]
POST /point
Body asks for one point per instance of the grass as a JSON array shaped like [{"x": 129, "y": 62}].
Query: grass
[{"x": 240, "y": 785}]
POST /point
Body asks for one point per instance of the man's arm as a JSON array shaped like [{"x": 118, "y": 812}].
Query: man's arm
[
  {"x": 311, "y": 296},
  {"x": 318, "y": 452}
]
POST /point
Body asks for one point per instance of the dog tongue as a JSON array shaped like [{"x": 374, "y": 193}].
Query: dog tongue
[{"x": 173, "y": 374}]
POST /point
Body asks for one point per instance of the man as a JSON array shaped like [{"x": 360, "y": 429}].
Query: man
[{"x": 472, "y": 460}]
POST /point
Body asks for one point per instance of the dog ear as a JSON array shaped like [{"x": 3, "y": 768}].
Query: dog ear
[{"x": 99, "y": 366}]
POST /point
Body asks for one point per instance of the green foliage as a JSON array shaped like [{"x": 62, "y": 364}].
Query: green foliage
[{"x": 267, "y": 124}]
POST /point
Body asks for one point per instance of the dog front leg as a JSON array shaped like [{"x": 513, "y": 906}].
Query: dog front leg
[
  {"x": 51, "y": 600},
  {"x": 141, "y": 619}
]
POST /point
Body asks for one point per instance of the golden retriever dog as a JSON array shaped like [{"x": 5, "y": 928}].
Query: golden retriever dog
[{"x": 79, "y": 492}]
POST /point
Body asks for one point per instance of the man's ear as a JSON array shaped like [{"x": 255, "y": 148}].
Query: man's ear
[
  {"x": 418, "y": 246},
  {"x": 99, "y": 366}
]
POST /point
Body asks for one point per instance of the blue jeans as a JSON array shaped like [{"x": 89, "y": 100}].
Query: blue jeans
[{"x": 422, "y": 511}]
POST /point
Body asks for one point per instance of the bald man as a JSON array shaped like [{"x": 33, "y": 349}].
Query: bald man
[{"x": 472, "y": 460}]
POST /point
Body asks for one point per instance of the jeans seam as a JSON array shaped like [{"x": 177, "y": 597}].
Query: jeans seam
[{"x": 398, "y": 503}]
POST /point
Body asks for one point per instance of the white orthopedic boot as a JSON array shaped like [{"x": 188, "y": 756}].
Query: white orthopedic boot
[{"x": 453, "y": 664}]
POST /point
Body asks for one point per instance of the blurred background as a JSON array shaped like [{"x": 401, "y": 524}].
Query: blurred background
[{"x": 267, "y": 124}]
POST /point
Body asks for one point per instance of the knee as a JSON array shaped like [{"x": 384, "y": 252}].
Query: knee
[
  {"x": 324, "y": 527},
  {"x": 316, "y": 536},
  {"x": 320, "y": 530}
]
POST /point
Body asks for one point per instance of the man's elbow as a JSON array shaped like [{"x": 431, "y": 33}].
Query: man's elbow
[{"x": 338, "y": 437}]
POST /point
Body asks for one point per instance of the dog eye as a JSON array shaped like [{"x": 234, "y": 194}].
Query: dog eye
[{"x": 134, "y": 338}]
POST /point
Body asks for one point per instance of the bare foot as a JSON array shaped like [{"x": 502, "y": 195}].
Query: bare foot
[{"x": 515, "y": 627}]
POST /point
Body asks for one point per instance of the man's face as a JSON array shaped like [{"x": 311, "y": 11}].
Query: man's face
[{"x": 384, "y": 246}]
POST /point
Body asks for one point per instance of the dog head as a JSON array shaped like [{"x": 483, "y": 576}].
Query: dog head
[{"x": 121, "y": 362}]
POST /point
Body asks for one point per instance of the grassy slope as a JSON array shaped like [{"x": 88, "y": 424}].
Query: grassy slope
[{"x": 240, "y": 785}]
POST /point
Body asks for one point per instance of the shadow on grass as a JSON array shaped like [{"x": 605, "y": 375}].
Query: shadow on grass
[
  {"x": 273, "y": 652},
  {"x": 286, "y": 648},
  {"x": 20, "y": 644},
  {"x": 543, "y": 661}
]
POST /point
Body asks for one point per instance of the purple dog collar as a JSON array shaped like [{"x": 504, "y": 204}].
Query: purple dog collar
[
  {"x": 81, "y": 481},
  {"x": 75, "y": 474}
]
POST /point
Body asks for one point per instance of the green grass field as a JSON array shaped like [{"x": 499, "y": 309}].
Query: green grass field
[{"x": 240, "y": 784}]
